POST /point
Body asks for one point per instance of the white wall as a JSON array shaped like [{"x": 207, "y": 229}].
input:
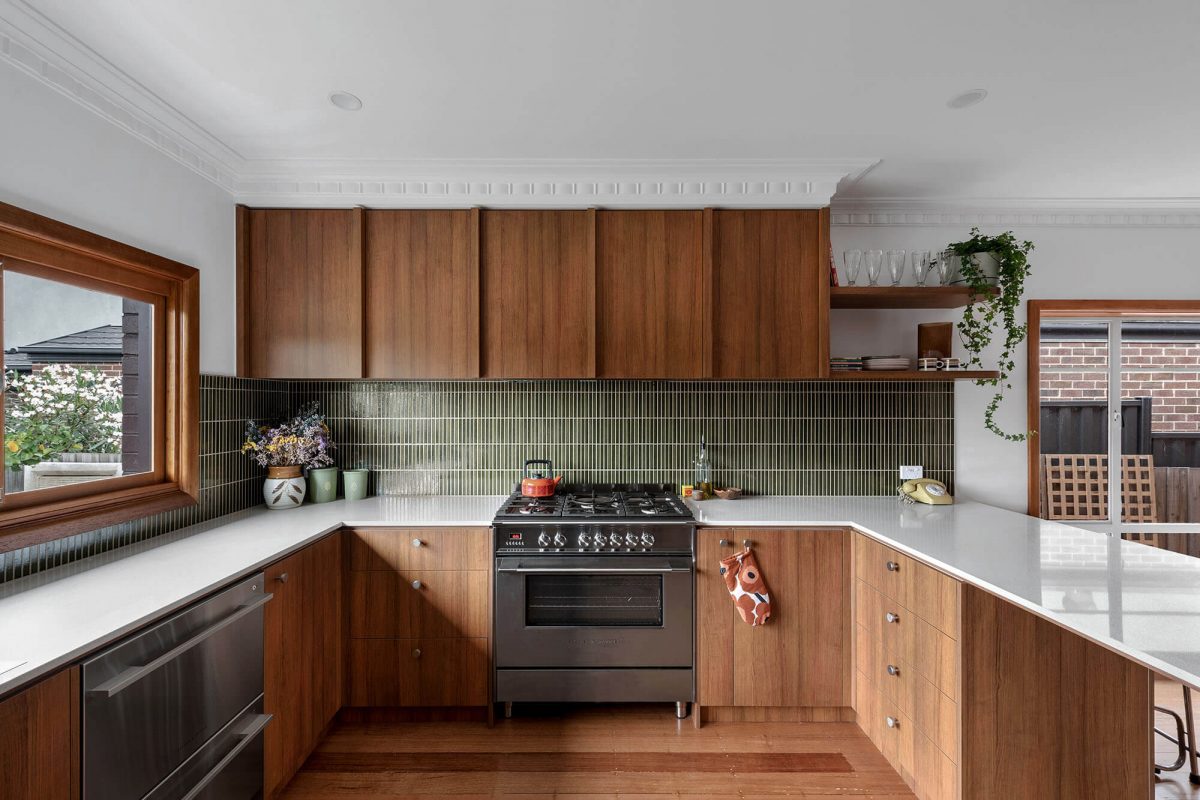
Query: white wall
[
  {"x": 61, "y": 160},
  {"x": 1117, "y": 263}
]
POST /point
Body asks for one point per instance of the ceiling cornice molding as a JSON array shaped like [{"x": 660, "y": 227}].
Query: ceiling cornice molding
[
  {"x": 800, "y": 183},
  {"x": 1178, "y": 212},
  {"x": 36, "y": 46}
]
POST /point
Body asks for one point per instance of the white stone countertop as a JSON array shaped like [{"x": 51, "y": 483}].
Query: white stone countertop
[{"x": 1138, "y": 601}]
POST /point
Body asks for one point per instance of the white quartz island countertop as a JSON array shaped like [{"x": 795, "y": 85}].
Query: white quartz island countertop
[{"x": 1141, "y": 602}]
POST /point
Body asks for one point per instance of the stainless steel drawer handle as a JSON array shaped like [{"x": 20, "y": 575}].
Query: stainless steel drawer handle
[
  {"x": 892, "y": 566},
  {"x": 893, "y": 670},
  {"x": 418, "y": 543},
  {"x": 282, "y": 578},
  {"x": 890, "y": 617},
  {"x": 131, "y": 675},
  {"x": 244, "y": 738},
  {"x": 417, "y": 584},
  {"x": 892, "y": 722},
  {"x": 417, "y": 653}
]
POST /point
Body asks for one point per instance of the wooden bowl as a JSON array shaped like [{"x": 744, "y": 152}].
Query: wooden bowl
[{"x": 728, "y": 493}]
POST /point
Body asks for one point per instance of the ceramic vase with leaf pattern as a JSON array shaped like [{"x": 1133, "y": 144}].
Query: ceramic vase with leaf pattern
[{"x": 284, "y": 488}]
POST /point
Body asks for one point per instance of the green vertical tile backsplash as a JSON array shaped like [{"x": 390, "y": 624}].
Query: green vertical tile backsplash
[{"x": 471, "y": 437}]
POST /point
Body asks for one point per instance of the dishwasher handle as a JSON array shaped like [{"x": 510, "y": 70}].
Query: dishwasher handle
[
  {"x": 127, "y": 677},
  {"x": 244, "y": 738}
]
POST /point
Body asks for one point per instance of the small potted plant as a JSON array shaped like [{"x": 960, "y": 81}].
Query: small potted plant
[
  {"x": 286, "y": 449},
  {"x": 994, "y": 268}
]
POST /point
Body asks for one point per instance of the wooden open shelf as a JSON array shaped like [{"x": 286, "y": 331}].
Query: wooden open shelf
[
  {"x": 899, "y": 296},
  {"x": 914, "y": 375}
]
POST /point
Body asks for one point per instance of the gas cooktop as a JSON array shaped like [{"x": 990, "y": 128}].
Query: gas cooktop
[{"x": 599, "y": 501}]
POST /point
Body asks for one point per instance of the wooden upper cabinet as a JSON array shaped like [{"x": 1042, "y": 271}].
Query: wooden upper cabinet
[
  {"x": 539, "y": 285},
  {"x": 653, "y": 295},
  {"x": 300, "y": 293},
  {"x": 771, "y": 294},
  {"x": 422, "y": 294}
]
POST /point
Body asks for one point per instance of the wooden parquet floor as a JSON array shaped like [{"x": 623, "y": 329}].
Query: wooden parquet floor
[{"x": 594, "y": 754}]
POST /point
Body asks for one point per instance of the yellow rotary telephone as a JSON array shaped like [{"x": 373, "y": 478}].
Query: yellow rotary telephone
[{"x": 925, "y": 490}]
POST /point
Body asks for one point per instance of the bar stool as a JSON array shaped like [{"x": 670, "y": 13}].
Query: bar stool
[{"x": 1185, "y": 738}]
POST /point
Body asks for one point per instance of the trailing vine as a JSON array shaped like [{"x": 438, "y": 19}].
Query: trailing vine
[{"x": 994, "y": 302}]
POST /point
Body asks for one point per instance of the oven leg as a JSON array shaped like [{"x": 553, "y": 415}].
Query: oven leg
[
  {"x": 681, "y": 710},
  {"x": 508, "y": 710}
]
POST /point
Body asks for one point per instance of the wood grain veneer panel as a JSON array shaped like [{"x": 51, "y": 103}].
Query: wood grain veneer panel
[
  {"x": 770, "y": 294},
  {"x": 418, "y": 672},
  {"x": 715, "y": 618},
  {"x": 539, "y": 294},
  {"x": 422, "y": 294},
  {"x": 39, "y": 740},
  {"x": 440, "y": 549},
  {"x": 304, "y": 315},
  {"x": 448, "y": 604},
  {"x": 1047, "y": 714},
  {"x": 653, "y": 318}
]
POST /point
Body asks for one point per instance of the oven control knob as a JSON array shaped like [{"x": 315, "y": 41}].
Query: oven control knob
[
  {"x": 615, "y": 540},
  {"x": 647, "y": 539},
  {"x": 631, "y": 540},
  {"x": 584, "y": 539},
  {"x": 560, "y": 540},
  {"x": 543, "y": 540}
]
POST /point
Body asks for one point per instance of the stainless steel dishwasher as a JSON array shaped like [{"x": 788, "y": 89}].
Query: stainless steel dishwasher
[{"x": 175, "y": 712}]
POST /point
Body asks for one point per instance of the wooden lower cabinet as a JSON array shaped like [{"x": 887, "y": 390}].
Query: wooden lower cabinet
[
  {"x": 303, "y": 656},
  {"x": 801, "y": 657},
  {"x": 419, "y": 611},
  {"x": 39, "y": 740}
]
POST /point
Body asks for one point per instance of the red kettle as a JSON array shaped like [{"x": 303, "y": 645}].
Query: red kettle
[{"x": 535, "y": 483}]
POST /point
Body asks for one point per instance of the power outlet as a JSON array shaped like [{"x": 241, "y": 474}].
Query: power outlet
[{"x": 912, "y": 473}]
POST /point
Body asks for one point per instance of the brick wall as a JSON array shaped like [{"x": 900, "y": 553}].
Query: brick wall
[
  {"x": 1168, "y": 371},
  {"x": 110, "y": 368}
]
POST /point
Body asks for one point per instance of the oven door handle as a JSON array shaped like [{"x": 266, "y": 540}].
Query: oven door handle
[{"x": 666, "y": 568}]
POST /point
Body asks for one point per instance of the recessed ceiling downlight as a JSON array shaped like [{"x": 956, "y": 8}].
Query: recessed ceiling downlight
[
  {"x": 345, "y": 101},
  {"x": 967, "y": 99}
]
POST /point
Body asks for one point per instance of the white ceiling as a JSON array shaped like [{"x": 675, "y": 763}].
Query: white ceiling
[{"x": 1088, "y": 100}]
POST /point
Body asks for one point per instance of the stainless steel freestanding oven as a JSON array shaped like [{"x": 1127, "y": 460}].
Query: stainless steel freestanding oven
[{"x": 595, "y": 597}]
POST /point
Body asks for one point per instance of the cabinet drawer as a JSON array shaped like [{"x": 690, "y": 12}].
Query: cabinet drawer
[
  {"x": 935, "y": 776},
  {"x": 420, "y": 549},
  {"x": 416, "y": 604},
  {"x": 881, "y": 567},
  {"x": 910, "y": 638},
  {"x": 418, "y": 672}
]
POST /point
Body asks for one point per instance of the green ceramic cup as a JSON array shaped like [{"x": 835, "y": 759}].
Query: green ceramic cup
[
  {"x": 355, "y": 481},
  {"x": 322, "y": 484}
]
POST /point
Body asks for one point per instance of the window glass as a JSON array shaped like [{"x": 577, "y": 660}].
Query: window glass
[{"x": 78, "y": 380}]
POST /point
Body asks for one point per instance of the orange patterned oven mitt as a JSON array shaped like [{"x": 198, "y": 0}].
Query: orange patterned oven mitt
[{"x": 747, "y": 587}]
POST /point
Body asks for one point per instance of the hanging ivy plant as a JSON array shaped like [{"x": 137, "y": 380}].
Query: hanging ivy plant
[{"x": 994, "y": 303}]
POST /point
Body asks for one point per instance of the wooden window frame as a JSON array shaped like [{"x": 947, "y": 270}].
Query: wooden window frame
[
  {"x": 1036, "y": 310},
  {"x": 35, "y": 245}
]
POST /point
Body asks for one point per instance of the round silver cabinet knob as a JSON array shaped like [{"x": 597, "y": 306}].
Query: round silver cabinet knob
[
  {"x": 417, "y": 653},
  {"x": 725, "y": 543},
  {"x": 282, "y": 577},
  {"x": 417, "y": 584},
  {"x": 543, "y": 540},
  {"x": 647, "y": 539},
  {"x": 892, "y": 722},
  {"x": 418, "y": 543},
  {"x": 892, "y": 566},
  {"x": 890, "y": 617},
  {"x": 893, "y": 670},
  {"x": 560, "y": 540}
]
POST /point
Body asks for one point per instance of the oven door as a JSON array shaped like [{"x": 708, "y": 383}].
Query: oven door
[{"x": 599, "y": 611}]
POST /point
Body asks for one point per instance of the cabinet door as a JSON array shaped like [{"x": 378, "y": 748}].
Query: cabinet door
[
  {"x": 801, "y": 656},
  {"x": 770, "y": 294},
  {"x": 653, "y": 295},
  {"x": 303, "y": 656},
  {"x": 39, "y": 740},
  {"x": 422, "y": 294},
  {"x": 300, "y": 293},
  {"x": 539, "y": 294}
]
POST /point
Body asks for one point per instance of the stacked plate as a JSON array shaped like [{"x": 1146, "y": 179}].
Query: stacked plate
[{"x": 887, "y": 363}]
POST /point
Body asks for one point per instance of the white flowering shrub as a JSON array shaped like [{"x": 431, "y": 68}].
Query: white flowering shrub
[{"x": 61, "y": 409}]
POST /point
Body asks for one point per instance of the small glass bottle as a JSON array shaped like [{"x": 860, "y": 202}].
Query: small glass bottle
[{"x": 703, "y": 473}]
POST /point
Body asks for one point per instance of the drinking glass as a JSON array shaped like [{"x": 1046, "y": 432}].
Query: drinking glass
[
  {"x": 944, "y": 263},
  {"x": 895, "y": 262},
  {"x": 852, "y": 260},
  {"x": 920, "y": 265},
  {"x": 874, "y": 262}
]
